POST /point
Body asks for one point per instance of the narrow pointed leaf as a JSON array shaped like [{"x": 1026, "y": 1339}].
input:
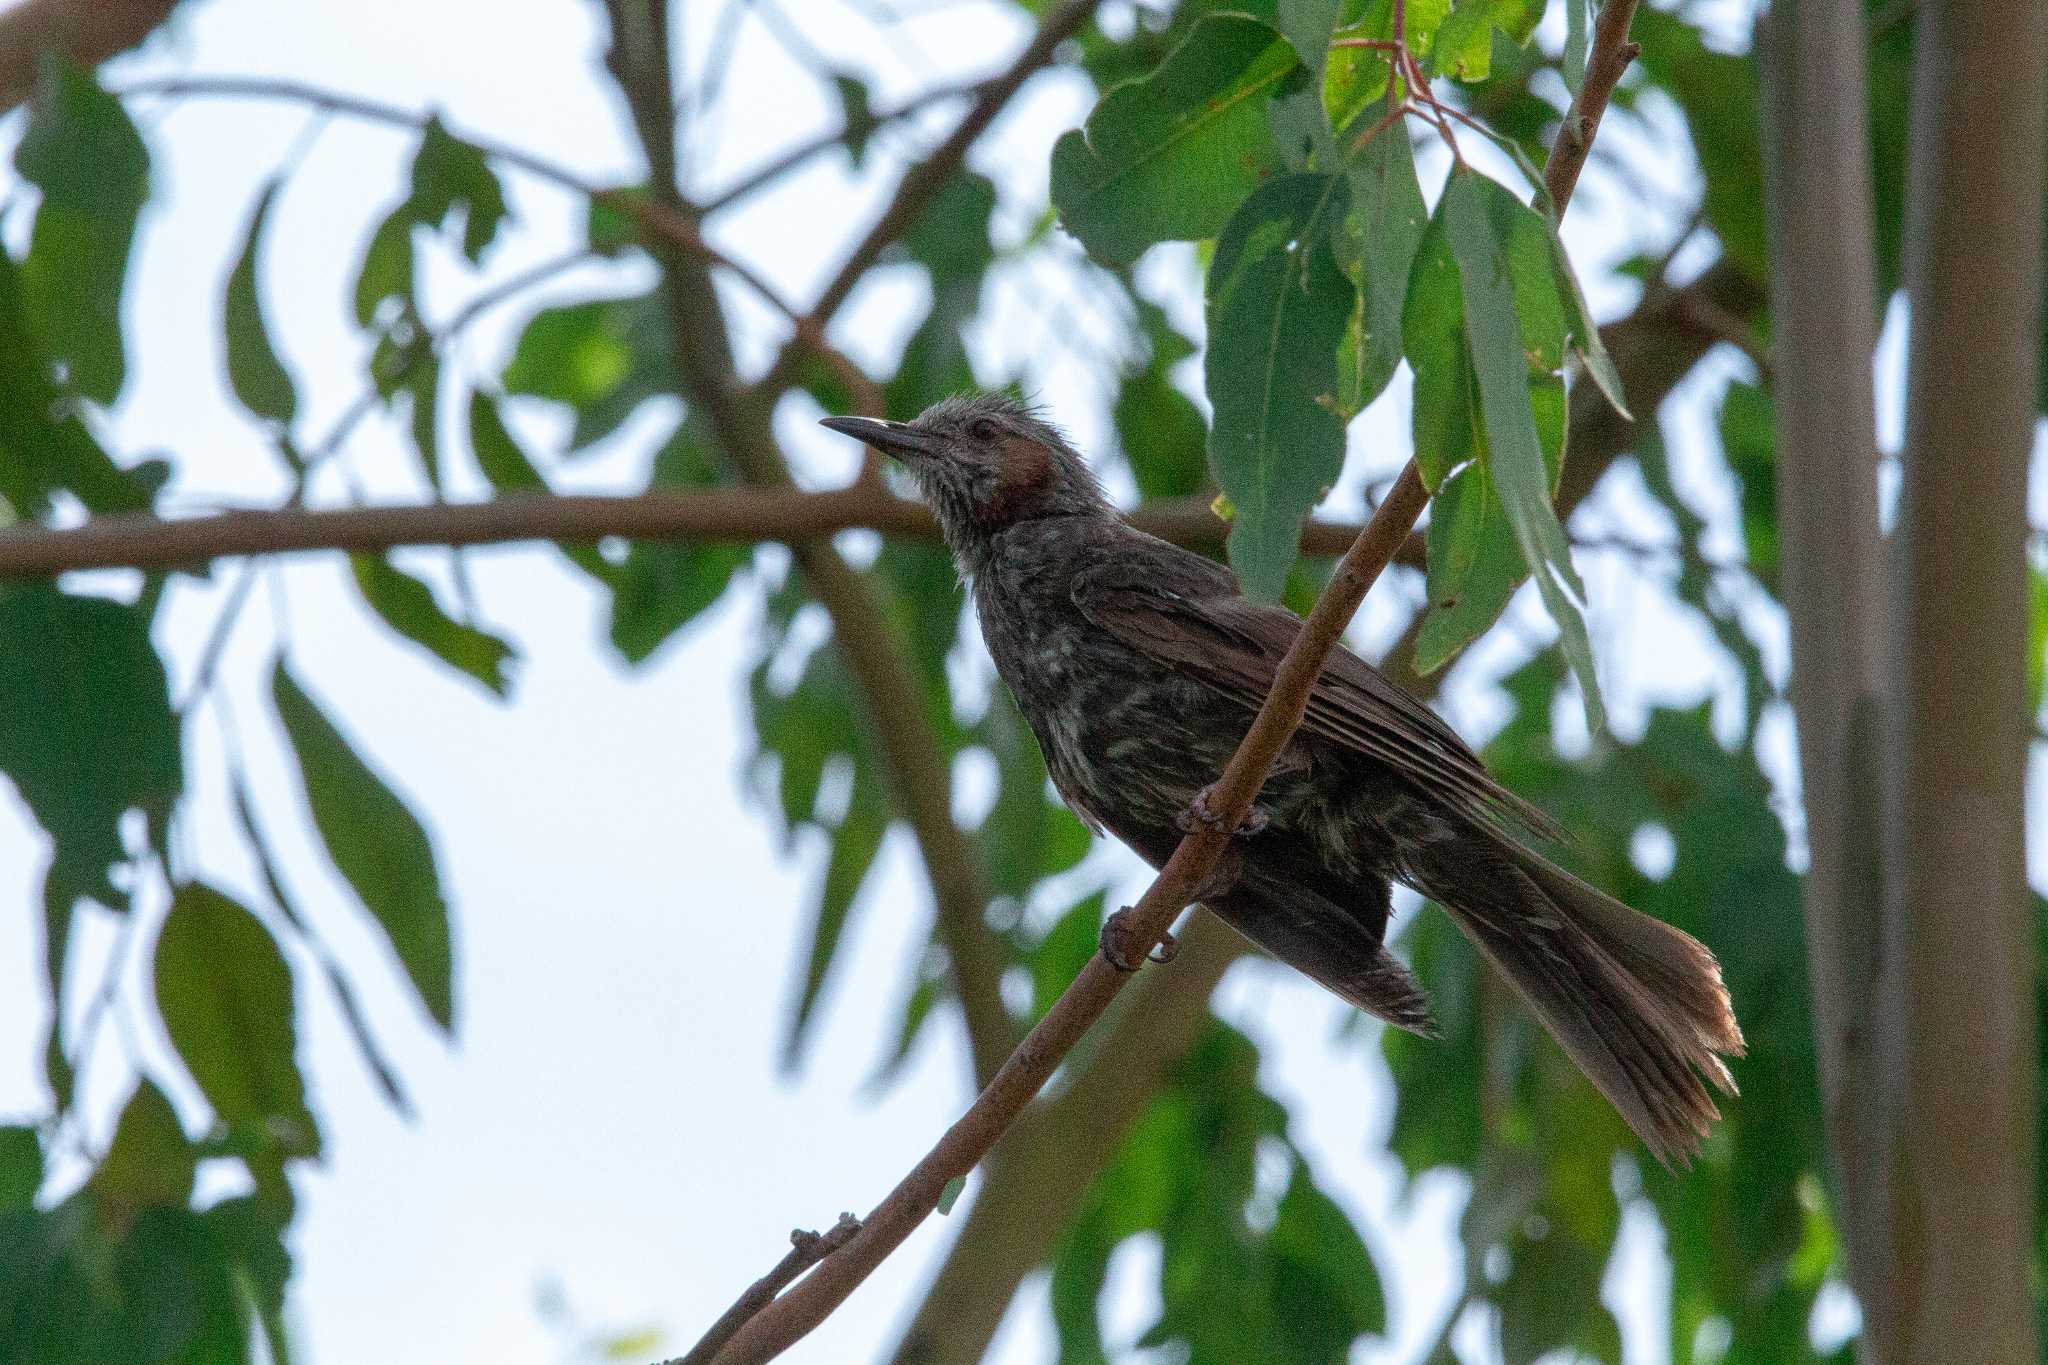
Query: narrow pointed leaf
[
  {"x": 854, "y": 845},
  {"x": 257, "y": 375},
  {"x": 510, "y": 469},
  {"x": 1388, "y": 218},
  {"x": 83, "y": 152},
  {"x": 1514, "y": 450},
  {"x": 376, "y": 842},
  {"x": 406, "y": 604},
  {"x": 1278, "y": 307}
]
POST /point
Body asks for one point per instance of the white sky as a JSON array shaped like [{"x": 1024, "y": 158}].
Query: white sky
[{"x": 611, "y": 1118}]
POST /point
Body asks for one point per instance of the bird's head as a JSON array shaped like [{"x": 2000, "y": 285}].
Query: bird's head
[{"x": 984, "y": 462}]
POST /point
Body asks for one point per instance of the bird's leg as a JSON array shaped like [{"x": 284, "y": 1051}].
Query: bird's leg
[
  {"x": 1201, "y": 815},
  {"x": 1120, "y": 946}
]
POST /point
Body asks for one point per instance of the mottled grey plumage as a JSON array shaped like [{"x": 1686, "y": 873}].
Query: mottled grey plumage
[{"x": 1139, "y": 666}]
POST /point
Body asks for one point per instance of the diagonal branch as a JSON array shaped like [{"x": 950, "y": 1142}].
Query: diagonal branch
[
  {"x": 789, "y": 1318},
  {"x": 86, "y": 31}
]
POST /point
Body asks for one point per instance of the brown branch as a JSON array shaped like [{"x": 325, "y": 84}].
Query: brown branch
[
  {"x": 1605, "y": 64},
  {"x": 1817, "y": 192},
  {"x": 785, "y": 162},
  {"x": 787, "y": 1320},
  {"x": 924, "y": 180},
  {"x": 786, "y": 514},
  {"x": 806, "y": 1249},
  {"x": 86, "y": 31},
  {"x": 872, "y": 643}
]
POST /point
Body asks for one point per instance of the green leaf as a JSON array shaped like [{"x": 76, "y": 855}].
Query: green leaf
[
  {"x": 1584, "y": 332},
  {"x": 408, "y": 606},
  {"x": 1165, "y": 158},
  {"x": 1445, "y": 404},
  {"x": 21, "y": 1168},
  {"x": 258, "y": 377},
  {"x": 603, "y": 357},
  {"x": 1386, "y": 225},
  {"x": 2037, "y": 637},
  {"x": 253, "y": 1236},
  {"x": 1576, "y": 35},
  {"x": 1721, "y": 97},
  {"x": 1326, "y": 1290},
  {"x": 1474, "y": 566},
  {"x": 44, "y": 446},
  {"x": 149, "y": 1164},
  {"x": 1158, "y": 427},
  {"x": 510, "y": 469},
  {"x": 386, "y": 271},
  {"x": 83, "y": 152},
  {"x": 1277, "y": 308},
  {"x": 1474, "y": 218},
  {"x": 225, "y": 995},
  {"x": 855, "y": 841},
  {"x": 661, "y": 586},
  {"x": 1463, "y": 48},
  {"x": 450, "y": 177},
  {"x": 950, "y": 1195},
  {"x": 87, "y": 732},
  {"x": 377, "y": 844},
  {"x": 1749, "y": 439}
]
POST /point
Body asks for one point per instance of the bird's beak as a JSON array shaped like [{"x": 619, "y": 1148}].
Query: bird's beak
[{"x": 891, "y": 438}]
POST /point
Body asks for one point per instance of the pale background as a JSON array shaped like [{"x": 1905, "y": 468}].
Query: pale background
[{"x": 609, "y": 1144}]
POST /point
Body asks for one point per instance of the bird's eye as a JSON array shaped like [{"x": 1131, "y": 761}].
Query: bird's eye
[{"x": 983, "y": 429}]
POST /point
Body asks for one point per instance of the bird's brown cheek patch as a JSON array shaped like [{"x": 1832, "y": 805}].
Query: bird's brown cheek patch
[{"x": 1022, "y": 468}]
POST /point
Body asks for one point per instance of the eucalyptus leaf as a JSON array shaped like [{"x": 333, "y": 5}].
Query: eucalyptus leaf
[
  {"x": 1165, "y": 157},
  {"x": 255, "y": 372},
  {"x": 1278, "y": 307}
]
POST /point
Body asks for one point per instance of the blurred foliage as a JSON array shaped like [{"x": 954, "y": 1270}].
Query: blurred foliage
[{"x": 1237, "y": 125}]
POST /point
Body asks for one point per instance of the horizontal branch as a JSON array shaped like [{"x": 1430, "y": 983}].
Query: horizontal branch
[{"x": 784, "y": 514}]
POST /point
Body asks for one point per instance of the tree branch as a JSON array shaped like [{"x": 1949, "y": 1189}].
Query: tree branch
[
  {"x": 1605, "y": 65},
  {"x": 1958, "y": 1020},
  {"x": 745, "y": 515},
  {"x": 86, "y": 31},
  {"x": 787, "y": 1320},
  {"x": 929, "y": 176},
  {"x": 740, "y": 416},
  {"x": 806, "y": 1249},
  {"x": 1824, "y": 326}
]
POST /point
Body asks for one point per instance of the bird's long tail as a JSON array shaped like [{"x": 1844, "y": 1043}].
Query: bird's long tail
[{"x": 1637, "y": 1004}]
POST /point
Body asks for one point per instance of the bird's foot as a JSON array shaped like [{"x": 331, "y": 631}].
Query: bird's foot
[
  {"x": 1201, "y": 814},
  {"x": 1120, "y": 946}
]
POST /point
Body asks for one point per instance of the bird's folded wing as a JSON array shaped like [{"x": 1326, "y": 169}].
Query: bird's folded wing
[{"x": 1204, "y": 629}]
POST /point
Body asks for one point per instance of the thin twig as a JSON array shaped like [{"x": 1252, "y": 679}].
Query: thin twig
[
  {"x": 924, "y": 180},
  {"x": 806, "y": 1249},
  {"x": 793, "y": 1315},
  {"x": 770, "y": 171}
]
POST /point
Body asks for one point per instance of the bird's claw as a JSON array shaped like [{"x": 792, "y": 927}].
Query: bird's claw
[
  {"x": 1120, "y": 946},
  {"x": 1200, "y": 814}
]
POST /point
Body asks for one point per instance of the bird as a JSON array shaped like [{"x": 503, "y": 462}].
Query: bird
[{"x": 1139, "y": 666}]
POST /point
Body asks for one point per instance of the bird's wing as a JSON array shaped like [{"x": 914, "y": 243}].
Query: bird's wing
[{"x": 1194, "y": 621}]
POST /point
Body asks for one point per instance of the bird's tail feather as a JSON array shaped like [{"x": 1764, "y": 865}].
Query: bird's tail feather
[{"x": 1637, "y": 1004}]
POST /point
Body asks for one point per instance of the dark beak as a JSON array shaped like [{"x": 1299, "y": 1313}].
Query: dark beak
[{"x": 891, "y": 438}]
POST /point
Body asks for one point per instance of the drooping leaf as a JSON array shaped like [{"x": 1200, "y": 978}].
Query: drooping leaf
[
  {"x": 376, "y": 842},
  {"x": 1577, "y": 35},
  {"x": 406, "y": 604},
  {"x": 1158, "y": 427},
  {"x": 1445, "y": 406},
  {"x": 253, "y": 1236},
  {"x": 257, "y": 375},
  {"x": 661, "y": 586},
  {"x": 225, "y": 995},
  {"x": 1474, "y": 217},
  {"x": 451, "y": 176},
  {"x": 1166, "y": 157},
  {"x": 1386, "y": 226},
  {"x": 509, "y": 469},
  {"x": 83, "y": 152},
  {"x": 1748, "y": 429},
  {"x": 87, "y": 732},
  {"x": 1277, "y": 308},
  {"x": 44, "y": 446},
  {"x": 855, "y": 841},
  {"x": 244, "y": 808}
]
